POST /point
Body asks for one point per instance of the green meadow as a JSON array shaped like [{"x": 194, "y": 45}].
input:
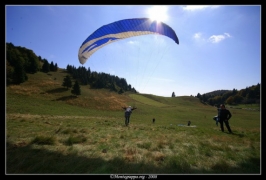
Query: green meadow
[{"x": 50, "y": 131}]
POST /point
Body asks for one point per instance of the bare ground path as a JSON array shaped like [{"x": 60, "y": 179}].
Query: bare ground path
[{"x": 34, "y": 116}]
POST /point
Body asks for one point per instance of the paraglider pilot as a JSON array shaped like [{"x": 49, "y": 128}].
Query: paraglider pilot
[{"x": 128, "y": 111}]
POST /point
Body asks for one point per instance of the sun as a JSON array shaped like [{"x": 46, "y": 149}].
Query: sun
[{"x": 158, "y": 13}]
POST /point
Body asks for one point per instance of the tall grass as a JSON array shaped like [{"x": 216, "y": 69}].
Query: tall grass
[{"x": 50, "y": 132}]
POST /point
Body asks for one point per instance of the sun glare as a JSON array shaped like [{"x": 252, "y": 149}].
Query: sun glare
[{"x": 158, "y": 13}]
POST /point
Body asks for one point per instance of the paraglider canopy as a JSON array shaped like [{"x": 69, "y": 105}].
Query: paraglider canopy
[{"x": 120, "y": 30}]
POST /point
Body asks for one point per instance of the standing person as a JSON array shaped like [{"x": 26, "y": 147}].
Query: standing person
[
  {"x": 224, "y": 115},
  {"x": 217, "y": 117},
  {"x": 128, "y": 111}
]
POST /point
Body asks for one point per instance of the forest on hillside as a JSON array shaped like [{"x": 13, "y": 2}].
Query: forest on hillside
[
  {"x": 249, "y": 95},
  {"x": 20, "y": 61}
]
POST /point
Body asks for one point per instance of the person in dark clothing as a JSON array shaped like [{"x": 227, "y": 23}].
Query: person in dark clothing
[
  {"x": 128, "y": 111},
  {"x": 224, "y": 115},
  {"x": 188, "y": 123}
]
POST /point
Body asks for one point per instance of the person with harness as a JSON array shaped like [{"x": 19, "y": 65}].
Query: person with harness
[{"x": 128, "y": 111}]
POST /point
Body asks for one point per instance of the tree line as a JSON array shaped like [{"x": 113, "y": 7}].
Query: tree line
[
  {"x": 99, "y": 80},
  {"x": 249, "y": 95},
  {"x": 20, "y": 61}
]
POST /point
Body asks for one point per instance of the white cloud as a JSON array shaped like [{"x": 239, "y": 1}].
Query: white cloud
[
  {"x": 197, "y": 35},
  {"x": 197, "y": 7},
  {"x": 213, "y": 39},
  {"x": 218, "y": 38},
  {"x": 199, "y": 38},
  {"x": 227, "y": 34}
]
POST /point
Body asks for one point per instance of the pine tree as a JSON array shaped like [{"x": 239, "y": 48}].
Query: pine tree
[
  {"x": 20, "y": 75},
  {"x": 76, "y": 89},
  {"x": 45, "y": 66},
  {"x": 51, "y": 67},
  {"x": 67, "y": 82}
]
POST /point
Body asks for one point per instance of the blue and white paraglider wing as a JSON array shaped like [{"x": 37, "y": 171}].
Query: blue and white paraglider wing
[{"x": 120, "y": 30}]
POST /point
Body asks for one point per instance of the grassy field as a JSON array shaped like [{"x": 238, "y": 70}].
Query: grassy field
[{"x": 49, "y": 131}]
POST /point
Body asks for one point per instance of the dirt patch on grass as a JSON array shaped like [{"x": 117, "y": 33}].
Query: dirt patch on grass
[
  {"x": 25, "y": 90},
  {"x": 109, "y": 101},
  {"x": 34, "y": 116}
]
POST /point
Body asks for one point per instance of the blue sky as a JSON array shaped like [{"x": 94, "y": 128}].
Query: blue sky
[{"x": 219, "y": 46}]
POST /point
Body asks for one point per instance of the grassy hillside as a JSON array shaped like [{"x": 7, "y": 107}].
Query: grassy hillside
[{"x": 50, "y": 131}]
